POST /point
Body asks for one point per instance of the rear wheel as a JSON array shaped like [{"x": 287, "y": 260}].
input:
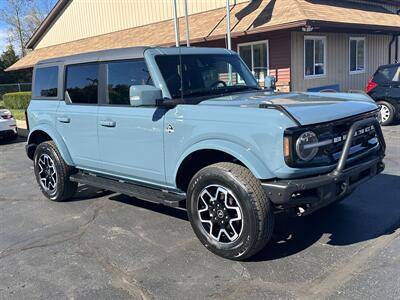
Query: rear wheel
[
  {"x": 52, "y": 173},
  {"x": 229, "y": 211},
  {"x": 387, "y": 113}
]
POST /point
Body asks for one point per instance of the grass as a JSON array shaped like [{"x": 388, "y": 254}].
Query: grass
[{"x": 19, "y": 114}]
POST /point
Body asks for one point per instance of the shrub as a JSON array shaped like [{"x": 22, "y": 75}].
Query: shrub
[{"x": 19, "y": 100}]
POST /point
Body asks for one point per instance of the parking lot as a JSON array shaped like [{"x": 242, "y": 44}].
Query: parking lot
[{"x": 108, "y": 246}]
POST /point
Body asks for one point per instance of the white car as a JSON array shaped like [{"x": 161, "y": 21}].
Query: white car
[{"x": 8, "y": 125}]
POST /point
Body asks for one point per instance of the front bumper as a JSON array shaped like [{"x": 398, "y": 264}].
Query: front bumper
[{"x": 312, "y": 193}]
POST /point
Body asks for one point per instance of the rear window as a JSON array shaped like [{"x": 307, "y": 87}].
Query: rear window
[
  {"x": 46, "y": 82},
  {"x": 387, "y": 74},
  {"x": 82, "y": 83}
]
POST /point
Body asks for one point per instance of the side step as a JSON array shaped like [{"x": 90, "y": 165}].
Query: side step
[{"x": 130, "y": 188}]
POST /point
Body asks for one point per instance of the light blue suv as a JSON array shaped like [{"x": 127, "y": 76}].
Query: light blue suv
[{"x": 191, "y": 127}]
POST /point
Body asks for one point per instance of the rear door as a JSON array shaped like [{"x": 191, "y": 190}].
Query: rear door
[
  {"x": 130, "y": 138},
  {"x": 77, "y": 115}
]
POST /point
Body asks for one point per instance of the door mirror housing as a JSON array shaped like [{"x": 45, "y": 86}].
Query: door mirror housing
[{"x": 144, "y": 95}]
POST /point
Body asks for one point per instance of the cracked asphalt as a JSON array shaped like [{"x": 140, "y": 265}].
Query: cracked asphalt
[{"x": 103, "y": 245}]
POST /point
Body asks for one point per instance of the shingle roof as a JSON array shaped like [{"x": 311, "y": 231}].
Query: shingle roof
[{"x": 246, "y": 18}]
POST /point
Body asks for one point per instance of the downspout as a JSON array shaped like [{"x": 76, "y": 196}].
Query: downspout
[
  {"x": 395, "y": 38},
  {"x": 390, "y": 47}
]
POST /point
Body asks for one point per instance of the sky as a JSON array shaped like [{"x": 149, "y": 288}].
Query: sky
[{"x": 3, "y": 26}]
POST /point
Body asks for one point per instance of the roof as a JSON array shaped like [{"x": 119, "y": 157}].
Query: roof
[
  {"x": 246, "y": 18},
  {"x": 130, "y": 53}
]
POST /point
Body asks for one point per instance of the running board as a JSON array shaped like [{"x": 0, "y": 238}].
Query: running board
[{"x": 130, "y": 188}]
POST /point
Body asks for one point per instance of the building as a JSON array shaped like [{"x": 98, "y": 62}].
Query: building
[{"x": 306, "y": 44}]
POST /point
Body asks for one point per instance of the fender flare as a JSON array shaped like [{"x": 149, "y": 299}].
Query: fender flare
[
  {"x": 57, "y": 139},
  {"x": 248, "y": 158}
]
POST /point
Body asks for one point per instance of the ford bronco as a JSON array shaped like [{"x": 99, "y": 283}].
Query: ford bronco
[{"x": 192, "y": 128}]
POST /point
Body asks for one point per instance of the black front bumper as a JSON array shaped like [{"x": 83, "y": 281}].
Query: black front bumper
[{"x": 312, "y": 193}]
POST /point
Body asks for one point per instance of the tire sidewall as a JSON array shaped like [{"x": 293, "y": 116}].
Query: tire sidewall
[
  {"x": 44, "y": 148},
  {"x": 243, "y": 244}
]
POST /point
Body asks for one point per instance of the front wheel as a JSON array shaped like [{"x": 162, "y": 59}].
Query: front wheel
[
  {"x": 52, "y": 173},
  {"x": 229, "y": 211}
]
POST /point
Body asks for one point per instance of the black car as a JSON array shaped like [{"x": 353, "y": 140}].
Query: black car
[{"x": 384, "y": 88}]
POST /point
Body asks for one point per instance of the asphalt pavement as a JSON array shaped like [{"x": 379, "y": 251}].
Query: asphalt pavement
[{"x": 103, "y": 245}]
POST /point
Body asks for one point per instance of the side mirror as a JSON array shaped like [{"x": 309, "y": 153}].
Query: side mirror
[
  {"x": 144, "y": 95},
  {"x": 270, "y": 82}
]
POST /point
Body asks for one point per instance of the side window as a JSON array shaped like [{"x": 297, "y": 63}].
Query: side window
[
  {"x": 82, "y": 83},
  {"x": 121, "y": 75},
  {"x": 46, "y": 82}
]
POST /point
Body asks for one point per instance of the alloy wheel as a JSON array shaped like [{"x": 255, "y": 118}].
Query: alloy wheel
[
  {"x": 47, "y": 173},
  {"x": 384, "y": 113},
  {"x": 220, "y": 214}
]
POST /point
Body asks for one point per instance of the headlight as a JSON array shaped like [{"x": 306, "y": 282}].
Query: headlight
[{"x": 303, "y": 152}]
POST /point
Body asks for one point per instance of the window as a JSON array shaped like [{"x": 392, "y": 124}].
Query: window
[
  {"x": 121, "y": 75},
  {"x": 82, "y": 82},
  {"x": 357, "y": 55},
  {"x": 204, "y": 75},
  {"x": 387, "y": 75},
  {"x": 255, "y": 55},
  {"x": 314, "y": 56},
  {"x": 46, "y": 82}
]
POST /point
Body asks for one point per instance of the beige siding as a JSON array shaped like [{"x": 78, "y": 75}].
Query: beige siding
[
  {"x": 86, "y": 18},
  {"x": 338, "y": 61}
]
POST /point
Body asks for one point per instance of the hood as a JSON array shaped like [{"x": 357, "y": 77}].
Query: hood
[{"x": 306, "y": 108}]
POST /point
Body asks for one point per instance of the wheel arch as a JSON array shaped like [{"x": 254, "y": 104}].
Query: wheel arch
[
  {"x": 43, "y": 133},
  {"x": 206, "y": 153}
]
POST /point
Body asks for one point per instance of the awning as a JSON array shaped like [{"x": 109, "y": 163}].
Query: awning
[{"x": 246, "y": 18}]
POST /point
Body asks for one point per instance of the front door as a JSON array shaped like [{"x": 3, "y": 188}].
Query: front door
[
  {"x": 77, "y": 117},
  {"x": 130, "y": 138}
]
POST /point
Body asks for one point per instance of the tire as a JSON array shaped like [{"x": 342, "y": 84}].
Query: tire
[
  {"x": 243, "y": 195},
  {"x": 388, "y": 113},
  {"x": 47, "y": 162}
]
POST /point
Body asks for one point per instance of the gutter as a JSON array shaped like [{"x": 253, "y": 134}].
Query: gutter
[{"x": 395, "y": 38}]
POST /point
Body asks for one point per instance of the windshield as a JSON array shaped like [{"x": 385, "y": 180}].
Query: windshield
[{"x": 194, "y": 75}]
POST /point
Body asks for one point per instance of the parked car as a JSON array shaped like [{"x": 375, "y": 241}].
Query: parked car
[
  {"x": 8, "y": 125},
  {"x": 384, "y": 88},
  {"x": 191, "y": 128}
]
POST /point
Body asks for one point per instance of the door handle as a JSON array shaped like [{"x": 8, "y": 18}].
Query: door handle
[
  {"x": 108, "y": 123},
  {"x": 64, "y": 119}
]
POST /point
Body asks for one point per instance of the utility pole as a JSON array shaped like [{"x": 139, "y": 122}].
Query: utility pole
[
  {"x": 187, "y": 24},
  {"x": 176, "y": 25}
]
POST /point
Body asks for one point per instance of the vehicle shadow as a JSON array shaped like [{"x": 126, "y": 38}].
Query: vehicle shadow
[
  {"x": 86, "y": 192},
  {"x": 178, "y": 213},
  {"x": 8, "y": 141},
  {"x": 371, "y": 211}
]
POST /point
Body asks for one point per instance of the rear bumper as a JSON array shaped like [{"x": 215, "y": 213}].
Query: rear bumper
[{"x": 312, "y": 193}]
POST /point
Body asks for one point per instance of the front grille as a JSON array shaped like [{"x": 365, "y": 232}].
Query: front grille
[{"x": 365, "y": 140}]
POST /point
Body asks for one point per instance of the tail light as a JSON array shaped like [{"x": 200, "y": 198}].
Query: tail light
[{"x": 371, "y": 85}]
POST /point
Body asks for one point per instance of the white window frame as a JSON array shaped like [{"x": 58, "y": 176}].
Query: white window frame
[
  {"x": 266, "y": 42},
  {"x": 365, "y": 53},
  {"x": 315, "y": 37}
]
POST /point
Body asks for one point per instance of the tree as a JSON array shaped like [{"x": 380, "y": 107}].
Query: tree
[
  {"x": 23, "y": 17},
  {"x": 8, "y": 58}
]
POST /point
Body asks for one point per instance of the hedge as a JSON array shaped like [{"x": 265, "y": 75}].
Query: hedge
[{"x": 19, "y": 100}]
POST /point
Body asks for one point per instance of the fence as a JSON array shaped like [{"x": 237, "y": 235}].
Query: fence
[{"x": 14, "y": 87}]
